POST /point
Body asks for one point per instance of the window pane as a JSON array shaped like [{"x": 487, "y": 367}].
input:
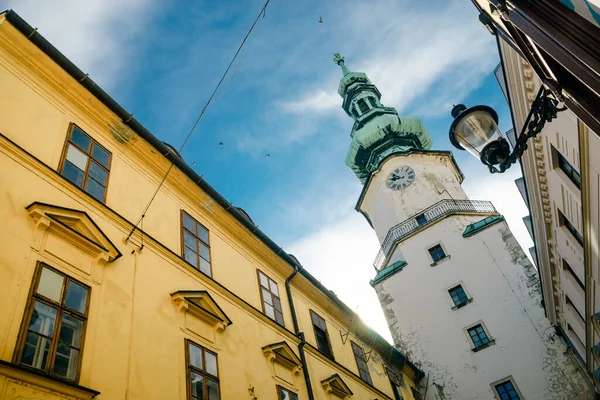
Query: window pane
[
  {"x": 212, "y": 389},
  {"x": 203, "y": 234},
  {"x": 264, "y": 281},
  {"x": 35, "y": 352},
  {"x": 197, "y": 384},
  {"x": 273, "y": 286},
  {"x": 191, "y": 257},
  {"x": 76, "y": 297},
  {"x": 189, "y": 223},
  {"x": 204, "y": 252},
  {"x": 267, "y": 297},
  {"x": 279, "y": 317},
  {"x": 276, "y": 303},
  {"x": 293, "y": 396},
  {"x": 269, "y": 311},
  {"x": 77, "y": 157},
  {"x": 73, "y": 174},
  {"x": 98, "y": 173},
  {"x": 100, "y": 155},
  {"x": 211, "y": 363},
  {"x": 66, "y": 361},
  {"x": 43, "y": 319},
  {"x": 50, "y": 285},
  {"x": 195, "y": 356},
  {"x": 80, "y": 139},
  {"x": 95, "y": 189},
  {"x": 205, "y": 266},
  {"x": 189, "y": 240},
  {"x": 71, "y": 330}
]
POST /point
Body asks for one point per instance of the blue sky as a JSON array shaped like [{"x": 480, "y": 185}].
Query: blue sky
[{"x": 162, "y": 60}]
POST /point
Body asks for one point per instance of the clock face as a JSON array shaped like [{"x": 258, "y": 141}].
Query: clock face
[{"x": 400, "y": 178}]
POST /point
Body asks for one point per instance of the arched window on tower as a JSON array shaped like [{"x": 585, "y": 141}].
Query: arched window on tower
[
  {"x": 362, "y": 105},
  {"x": 373, "y": 102}
]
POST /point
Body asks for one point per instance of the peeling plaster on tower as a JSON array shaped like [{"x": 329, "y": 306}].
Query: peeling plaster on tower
[{"x": 434, "y": 239}]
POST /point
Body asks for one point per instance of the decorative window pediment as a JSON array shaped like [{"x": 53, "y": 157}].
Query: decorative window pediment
[
  {"x": 334, "y": 385},
  {"x": 283, "y": 354},
  {"x": 74, "y": 226},
  {"x": 200, "y": 304}
]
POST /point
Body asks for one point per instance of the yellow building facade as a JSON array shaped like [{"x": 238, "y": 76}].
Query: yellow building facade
[{"x": 197, "y": 303}]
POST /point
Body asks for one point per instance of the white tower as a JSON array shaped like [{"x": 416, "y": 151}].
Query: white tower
[{"x": 459, "y": 294}]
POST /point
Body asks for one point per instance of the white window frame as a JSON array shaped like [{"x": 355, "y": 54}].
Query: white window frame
[
  {"x": 469, "y": 297},
  {"x": 434, "y": 263},
  {"x": 499, "y": 381},
  {"x": 487, "y": 333}
]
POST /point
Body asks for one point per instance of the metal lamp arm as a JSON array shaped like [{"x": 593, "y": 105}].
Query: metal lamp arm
[{"x": 543, "y": 109}]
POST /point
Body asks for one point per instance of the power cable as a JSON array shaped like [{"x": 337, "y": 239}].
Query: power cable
[{"x": 262, "y": 13}]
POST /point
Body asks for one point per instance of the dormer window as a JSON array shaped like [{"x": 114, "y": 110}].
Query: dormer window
[{"x": 362, "y": 105}]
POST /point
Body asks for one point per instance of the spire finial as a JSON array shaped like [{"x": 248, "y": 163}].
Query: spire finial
[{"x": 339, "y": 60}]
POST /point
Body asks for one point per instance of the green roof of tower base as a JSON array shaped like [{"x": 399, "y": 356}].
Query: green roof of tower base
[
  {"x": 388, "y": 271},
  {"x": 481, "y": 225}
]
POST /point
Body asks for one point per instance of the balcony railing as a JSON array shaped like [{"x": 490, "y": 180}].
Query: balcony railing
[{"x": 426, "y": 217}]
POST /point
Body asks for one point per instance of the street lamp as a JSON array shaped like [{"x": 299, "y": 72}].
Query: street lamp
[{"x": 476, "y": 130}]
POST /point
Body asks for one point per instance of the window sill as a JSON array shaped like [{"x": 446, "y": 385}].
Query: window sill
[
  {"x": 439, "y": 262},
  {"x": 488, "y": 344},
  {"x": 461, "y": 305},
  {"x": 38, "y": 378}
]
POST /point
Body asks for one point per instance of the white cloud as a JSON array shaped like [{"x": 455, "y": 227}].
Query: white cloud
[
  {"x": 443, "y": 55},
  {"x": 97, "y": 35},
  {"x": 341, "y": 256},
  {"x": 319, "y": 101}
]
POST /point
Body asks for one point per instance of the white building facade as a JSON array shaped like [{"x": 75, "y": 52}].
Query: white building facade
[
  {"x": 561, "y": 188},
  {"x": 459, "y": 294}
]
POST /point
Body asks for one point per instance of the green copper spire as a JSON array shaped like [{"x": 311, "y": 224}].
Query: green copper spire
[
  {"x": 378, "y": 131},
  {"x": 339, "y": 60}
]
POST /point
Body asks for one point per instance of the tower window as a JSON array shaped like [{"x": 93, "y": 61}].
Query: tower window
[
  {"x": 362, "y": 105},
  {"x": 373, "y": 102},
  {"x": 479, "y": 336},
  {"x": 506, "y": 390},
  {"x": 437, "y": 253},
  {"x": 421, "y": 219},
  {"x": 459, "y": 297},
  {"x": 321, "y": 335}
]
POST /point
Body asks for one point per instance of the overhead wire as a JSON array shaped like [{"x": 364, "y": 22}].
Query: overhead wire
[{"x": 262, "y": 14}]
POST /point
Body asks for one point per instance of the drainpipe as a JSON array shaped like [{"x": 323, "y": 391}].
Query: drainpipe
[{"x": 299, "y": 334}]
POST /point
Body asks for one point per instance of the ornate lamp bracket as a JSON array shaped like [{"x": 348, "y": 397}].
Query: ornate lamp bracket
[{"x": 544, "y": 109}]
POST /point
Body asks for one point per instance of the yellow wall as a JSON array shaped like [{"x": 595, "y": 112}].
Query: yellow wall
[{"x": 134, "y": 341}]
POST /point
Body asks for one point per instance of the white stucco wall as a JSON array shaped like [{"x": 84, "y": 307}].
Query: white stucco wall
[{"x": 503, "y": 284}]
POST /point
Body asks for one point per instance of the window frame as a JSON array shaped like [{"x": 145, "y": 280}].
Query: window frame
[
  {"x": 465, "y": 291},
  {"x": 503, "y": 381},
  {"x": 280, "y": 388},
  {"x": 63, "y": 160},
  {"x": 262, "y": 299},
  {"x": 330, "y": 356},
  {"x": 562, "y": 163},
  {"x": 568, "y": 225},
  {"x": 190, "y": 368},
  {"x": 434, "y": 261},
  {"x": 33, "y": 296},
  {"x": 489, "y": 337},
  {"x": 356, "y": 347},
  {"x": 395, "y": 386},
  {"x": 198, "y": 239}
]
